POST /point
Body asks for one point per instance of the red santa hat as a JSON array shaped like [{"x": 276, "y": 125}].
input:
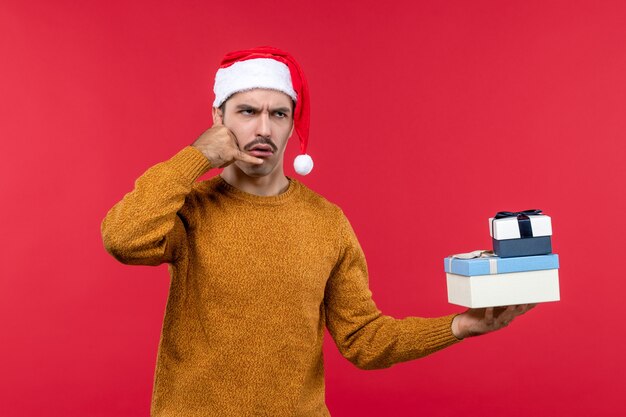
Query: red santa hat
[{"x": 267, "y": 67}]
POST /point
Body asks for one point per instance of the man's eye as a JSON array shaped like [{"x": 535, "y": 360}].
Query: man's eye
[
  {"x": 280, "y": 114},
  {"x": 247, "y": 112}
]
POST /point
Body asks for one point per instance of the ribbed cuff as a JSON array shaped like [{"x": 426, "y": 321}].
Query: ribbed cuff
[
  {"x": 439, "y": 334},
  {"x": 424, "y": 336},
  {"x": 190, "y": 162}
]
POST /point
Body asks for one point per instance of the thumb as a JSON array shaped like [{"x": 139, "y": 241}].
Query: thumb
[{"x": 489, "y": 315}]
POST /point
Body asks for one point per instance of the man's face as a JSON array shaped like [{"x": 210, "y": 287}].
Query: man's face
[{"x": 262, "y": 122}]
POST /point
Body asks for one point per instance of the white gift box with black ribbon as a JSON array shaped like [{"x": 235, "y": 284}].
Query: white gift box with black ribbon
[
  {"x": 522, "y": 233},
  {"x": 509, "y": 227},
  {"x": 481, "y": 279}
]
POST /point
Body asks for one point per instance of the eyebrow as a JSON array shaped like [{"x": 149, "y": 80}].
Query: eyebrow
[
  {"x": 245, "y": 107},
  {"x": 285, "y": 110}
]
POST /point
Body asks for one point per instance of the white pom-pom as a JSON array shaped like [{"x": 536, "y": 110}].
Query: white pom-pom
[{"x": 303, "y": 164}]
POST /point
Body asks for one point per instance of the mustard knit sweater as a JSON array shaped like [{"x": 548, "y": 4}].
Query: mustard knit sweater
[{"x": 254, "y": 280}]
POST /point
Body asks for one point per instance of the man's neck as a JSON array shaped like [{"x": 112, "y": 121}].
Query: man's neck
[{"x": 269, "y": 185}]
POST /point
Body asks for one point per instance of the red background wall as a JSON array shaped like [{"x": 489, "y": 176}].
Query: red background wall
[{"x": 427, "y": 118}]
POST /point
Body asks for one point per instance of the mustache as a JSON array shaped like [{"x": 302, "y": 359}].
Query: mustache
[{"x": 261, "y": 140}]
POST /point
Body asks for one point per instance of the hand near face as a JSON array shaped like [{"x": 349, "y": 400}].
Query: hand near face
[
  {"x": 477, "y": 321},
  {"x": 220, "y": 147}
]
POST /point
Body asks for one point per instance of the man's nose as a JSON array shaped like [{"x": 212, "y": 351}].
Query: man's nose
[{"x": 263, "y": 125}]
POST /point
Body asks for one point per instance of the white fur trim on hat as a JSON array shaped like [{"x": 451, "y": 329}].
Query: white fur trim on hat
[{"x": 252, "y": 73}]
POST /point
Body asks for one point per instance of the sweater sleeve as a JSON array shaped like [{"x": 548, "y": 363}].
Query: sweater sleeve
[
  {"x": 363, "y": 335},
  {"x": 145, "y": 228}
]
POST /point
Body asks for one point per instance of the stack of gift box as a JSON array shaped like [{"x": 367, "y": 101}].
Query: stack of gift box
[{"x": 521, "y": 269}]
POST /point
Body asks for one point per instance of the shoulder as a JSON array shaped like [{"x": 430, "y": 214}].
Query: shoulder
[
  {"x": 204, "y": 185},
  {"x": 316, "y": 201},
  {"x": 209, "y": 185},
  {"x": 323, "y": 213},
  {"x": 335, "y": 224},
  {"x": 203, "y": 192}
]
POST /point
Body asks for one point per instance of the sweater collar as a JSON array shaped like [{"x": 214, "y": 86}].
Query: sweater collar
[{"x": 235, "y": 192}]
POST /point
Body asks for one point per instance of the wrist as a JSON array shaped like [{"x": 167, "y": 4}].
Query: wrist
[
  {"x": 203, "y": 151},
  {"x": 457, "y": 327}
]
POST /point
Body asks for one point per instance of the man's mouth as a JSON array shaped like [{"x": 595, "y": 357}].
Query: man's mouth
[
  {"x": 261, "y": 147},
  {"x": 261, "y": 150}
]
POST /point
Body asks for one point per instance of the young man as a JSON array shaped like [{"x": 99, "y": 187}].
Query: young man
[{"x": 259, "y": 263}]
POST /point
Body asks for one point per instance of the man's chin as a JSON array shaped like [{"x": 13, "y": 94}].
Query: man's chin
[{"x": 255, "y": 171}]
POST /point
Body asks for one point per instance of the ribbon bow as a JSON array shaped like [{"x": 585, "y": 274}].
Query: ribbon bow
[
  {"x": 519, "y": 214},
  {"x": 474, "y": 254},
  {"x": 493, "y": 259},
  {"x": 523, "y": 220}
]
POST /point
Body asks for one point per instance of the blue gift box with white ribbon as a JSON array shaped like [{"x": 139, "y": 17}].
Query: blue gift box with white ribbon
[
  {"x": 522, "y": 233},
  {"x": 497, "y": 265}
]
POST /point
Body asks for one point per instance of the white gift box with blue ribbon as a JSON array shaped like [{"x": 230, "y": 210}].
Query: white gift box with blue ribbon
[{"x": 489, "y": 281}]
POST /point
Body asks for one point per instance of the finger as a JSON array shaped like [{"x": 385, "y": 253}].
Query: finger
[
  {"x": 499, "y": 311},
  {"x": 505, "y": 316},
  {"x": 522, "y": 308},
  {"x": 233, "y": 137},
  {"x": 244, "y": 157},
  {"x": 510, "y": 313},
  {"x": 241, "y": 155},
  {"x": 528, "y": 308},
  {"x": 489, "y": 315}
]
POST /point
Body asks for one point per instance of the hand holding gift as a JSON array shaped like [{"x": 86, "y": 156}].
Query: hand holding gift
[{"x": 477, "y": 321}]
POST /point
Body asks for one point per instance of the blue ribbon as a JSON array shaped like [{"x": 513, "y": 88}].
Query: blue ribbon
[{"x": 523, "y": 221}]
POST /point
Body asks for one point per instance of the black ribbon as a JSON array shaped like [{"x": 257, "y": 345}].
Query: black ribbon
[{"x": 523, "y": 221}]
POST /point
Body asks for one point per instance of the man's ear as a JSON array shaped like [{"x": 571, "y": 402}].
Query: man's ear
[
  {"x": 218, "y": 117},
  {"x": 293, "y": 118},
  {"x": 293, "y": 124}
]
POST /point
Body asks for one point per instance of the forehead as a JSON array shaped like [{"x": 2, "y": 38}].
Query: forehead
[{"x": 261, "y": 97}]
